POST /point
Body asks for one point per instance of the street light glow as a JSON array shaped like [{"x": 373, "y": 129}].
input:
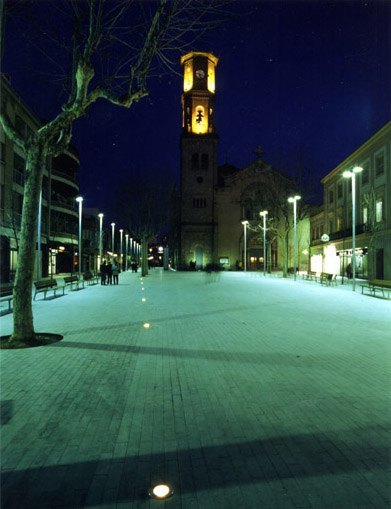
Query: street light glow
[{"x": 79, "y": 199}]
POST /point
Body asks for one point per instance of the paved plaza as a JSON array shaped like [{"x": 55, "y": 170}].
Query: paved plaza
[{"x": 244, "y": 392}]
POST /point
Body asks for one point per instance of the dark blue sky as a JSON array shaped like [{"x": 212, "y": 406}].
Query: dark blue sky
[{"x": 308, "y": 81}]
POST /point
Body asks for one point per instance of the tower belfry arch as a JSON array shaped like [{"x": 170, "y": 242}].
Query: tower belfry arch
[{"x": 198, "y": 165}]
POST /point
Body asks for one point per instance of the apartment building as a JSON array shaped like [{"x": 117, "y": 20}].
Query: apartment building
[
  {"x": 58, "y": 213},
  {"x": 331, "y": 226}
]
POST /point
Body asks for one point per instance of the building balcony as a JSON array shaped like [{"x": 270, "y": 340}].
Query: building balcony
[
  {"x": 64, "y": 205},
  {"x": 347, "y": 232},
  {"x": 65, "y": 177}
]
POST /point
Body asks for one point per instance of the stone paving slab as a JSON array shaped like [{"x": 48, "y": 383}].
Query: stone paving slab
[{"x": 245, "y": 392}]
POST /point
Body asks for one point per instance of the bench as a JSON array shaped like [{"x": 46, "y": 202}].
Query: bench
[
  {"x": 47, "y": 285},
  {"x": 92, "y": 279},
  {"x": 377, "y": 285},
  {"x": 328, "y": 279},
  {"x": 73, "y": 281},
  {"x": 7, "y": 295},
  {"x": 310, "y": 276}
]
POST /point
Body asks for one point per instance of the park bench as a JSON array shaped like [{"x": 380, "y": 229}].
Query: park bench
[
  {"x": 7, "y": 295},
  {"x": 310, "y": 276},
  {"x": 90, "y": 278},
  {"x": 73, "y": 281},
  {"x": 328, "y": 279},
  {"x": 377, "y": 285},
  {"x": 47, "y": 285}
]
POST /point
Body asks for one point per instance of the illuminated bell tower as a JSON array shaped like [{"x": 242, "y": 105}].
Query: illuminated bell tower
[{"x": 198, "y": 147}]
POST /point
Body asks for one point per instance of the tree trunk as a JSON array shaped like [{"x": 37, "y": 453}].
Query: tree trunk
[
  {"x": 285, "y": 243},
  {"x": 144, "y": 254},
  {"x": 23, "y": 313}
]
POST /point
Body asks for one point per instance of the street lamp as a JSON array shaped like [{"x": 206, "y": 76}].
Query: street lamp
[
  {"x": 79, "y": 199},
  {"x": 121, "y": 232},
  {"x": 264, "y": 214},
  {"x": 294, "y": 200},
  {"x": 245, "y": 223},
  {"x": 100, "y": 215},
  {"x": 112, "y": 237},
  {"x": 352, "y": 175},
  {"x": 126, "y": 250}
]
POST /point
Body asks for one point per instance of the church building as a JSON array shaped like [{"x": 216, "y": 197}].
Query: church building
[{"x": 216, "y": 201}]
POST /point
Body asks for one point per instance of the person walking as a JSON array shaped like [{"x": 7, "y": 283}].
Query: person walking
[
  {"x": 103, "y": 272},
  {"x": 109, "y": 271},
  {"x": 115, "y": 270}
]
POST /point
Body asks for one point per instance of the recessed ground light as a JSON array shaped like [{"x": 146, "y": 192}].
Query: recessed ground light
[
  {"x": 146, "y": 325},
  {"x": 142, "y": 289},
  {"x": 161, "y": 491},
  {"x": 143, "y": 299}
]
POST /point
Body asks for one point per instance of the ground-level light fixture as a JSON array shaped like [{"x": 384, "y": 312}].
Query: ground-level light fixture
[
  {"x": 143, "y": 299},
  {"x": 161, "y": 491},
  {"x": 146, "y": 325}
]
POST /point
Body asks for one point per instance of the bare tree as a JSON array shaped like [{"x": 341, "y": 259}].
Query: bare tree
[
  {"x": 114, "y": 49},
  {"x": 143, "y": 204},
  {"x": 372, "y": 228}
]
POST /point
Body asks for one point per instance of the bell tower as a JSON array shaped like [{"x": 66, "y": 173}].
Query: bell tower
[{"x": 198, "y": 146}]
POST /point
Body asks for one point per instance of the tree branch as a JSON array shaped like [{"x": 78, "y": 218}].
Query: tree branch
[{"x": 11, "y": 132}]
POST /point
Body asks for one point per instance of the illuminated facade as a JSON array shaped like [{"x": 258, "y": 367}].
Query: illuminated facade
[{"x": 373, "y": 213}]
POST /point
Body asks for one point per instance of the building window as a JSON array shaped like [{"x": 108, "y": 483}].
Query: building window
[
  {"x": 18, "y": 173},
  {"x": 365, "y": 175},
  {"x": 339, "y": 224},
  {"x": 379, "y": 165},
  {"x": 199, "y": 203},
  {"x": 195, "y": 162},
  {"x": 330, "y": 227},
  {"x": 340, "y": 190},
  {"x": 331, "y": 196},
  {"x": 2, "y": 153},
  {"x": 379, "y": 210},
  {"x": 20, "y": 126},
  {"x": 365, "y": 215},
  {"x": 204, "y": 161}
]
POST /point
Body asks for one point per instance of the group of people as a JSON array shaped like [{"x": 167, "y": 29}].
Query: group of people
[{"x": 109, "y": 273}]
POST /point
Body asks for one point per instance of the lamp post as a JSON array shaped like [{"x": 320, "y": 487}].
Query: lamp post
[
  {"x": 39, "y": 238},
  {"x": 352, "y": 175},
  {"x": 121, "y": 232},
  {"x": 294, "y": 200},
  {"x": 264, "y": 214},
  {"x": 126, "y": 250},
  {"x": 79, "y": 199},
  {"x": 112, "y": 237},
  {"x": 131, "y": 247},
  {"x": 100, "y": 215},
  {"x": 245, "y": 223}
]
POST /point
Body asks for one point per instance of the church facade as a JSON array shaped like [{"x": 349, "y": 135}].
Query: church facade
[{"x": 216, "y": 201}]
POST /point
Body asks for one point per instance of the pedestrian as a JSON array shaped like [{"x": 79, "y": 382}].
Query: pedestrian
[
  {"x": 103, "y": 272},
  {"x": 109, "y": 271},
  {"x": 349, "y": 271},
  {"x": 115, "y": 270}
]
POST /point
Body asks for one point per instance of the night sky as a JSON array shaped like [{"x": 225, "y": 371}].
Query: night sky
[{"x": 309, "y": 82}]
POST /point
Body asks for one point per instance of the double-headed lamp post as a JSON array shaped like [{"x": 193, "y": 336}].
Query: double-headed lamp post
[
  {"x": 100, "y": 215},
  {"x": 245, "y": 223},
  {"x": 351, "y": 174},
  {"x": 121, "y": 233},
  {"x": 112, "y": 237},
  {"x": 264, "y": 214},
  {"x": 79, "y": 199},
  {"x": 294, "y": 200}
]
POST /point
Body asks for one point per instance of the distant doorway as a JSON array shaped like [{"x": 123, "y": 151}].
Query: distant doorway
[{"x": 199, "y": 257}]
